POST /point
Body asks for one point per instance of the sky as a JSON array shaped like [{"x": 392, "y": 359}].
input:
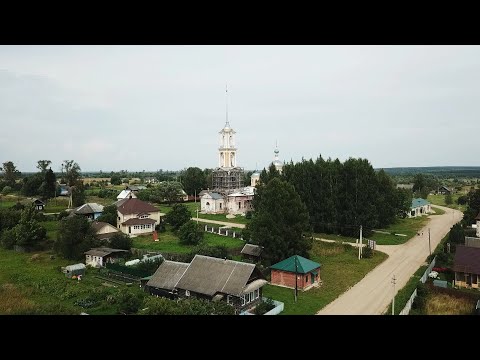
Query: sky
[{"x": 161, "y": 107}]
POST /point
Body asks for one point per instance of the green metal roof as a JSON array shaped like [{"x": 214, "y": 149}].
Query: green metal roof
[
  {"x": 303, "y": 265},
  {"x": 419, "y": 202}
]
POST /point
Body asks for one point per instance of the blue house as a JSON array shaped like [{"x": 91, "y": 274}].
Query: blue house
[
  {"x": 419, "y": 207},
  {"x": 90, "y": 210}
]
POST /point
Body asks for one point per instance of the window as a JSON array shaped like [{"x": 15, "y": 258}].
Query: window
[
  {"x": 257, "y": 293},
  {"x": 306, "y": 278},
  {"x": 220, "y": 206},
  {"x": 229, "y": 299},
  {"x": 239, "y": 204},
  {"x": 119, "y": 218},
  {"x": 243, "y": 300},
  {"x": 207, "y": 203}
]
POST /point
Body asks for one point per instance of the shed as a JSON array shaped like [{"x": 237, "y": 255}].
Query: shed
[
  {"x": 251, "y": 252},
  {"x": 74, "y": 270},
  {"x": 307, "y": 272}
]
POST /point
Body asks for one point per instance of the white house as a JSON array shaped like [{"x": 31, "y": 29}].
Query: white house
[
  {"x": 212, "y": 203},
  {"x": 137, "y": 217},
  {"x": 419, "y": 207},
  {"x": 125, "y": 194},
  {"x": 98, "y": 257}
]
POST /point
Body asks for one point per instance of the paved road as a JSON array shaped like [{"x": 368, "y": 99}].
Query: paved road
[
  {"x": 224, "y": 223},
  {"x": 373, "y": 294}
]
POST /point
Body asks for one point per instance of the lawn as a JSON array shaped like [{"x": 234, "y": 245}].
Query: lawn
[
  {"x": 32, "y": 280},
  {"x": 438, "y": 211},
  {"x": 340, "y": 270},
  {"x": 405, "y": 226},
  {"x": 445, "y": 304},
  {"x": 51, "y": 227},
  {"x": 99, "y": 200},
  {"x": 56, "y": 205},
  {"x": 440, "y": 200},
  {"x": 6, "y": 204},
  {"x": 192, "y": 206},
  {"x": 169, "y": 242}
]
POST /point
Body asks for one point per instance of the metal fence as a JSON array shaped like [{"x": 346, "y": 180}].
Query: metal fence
[
  {"x": 423, "y": 279},
  {"x": 275, "y": 311}
]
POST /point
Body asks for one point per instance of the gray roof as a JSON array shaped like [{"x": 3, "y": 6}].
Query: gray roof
[
  {"x": 167, "y": 275},
  {"x": 75, "y": 267},
  {"x": 250, "y": 249},
  {"x": 89, "y": 208},
  {"x": 208, "y": 275},
  {"x": 103, "y": 251},
  {"x": 215, "y": 196}
]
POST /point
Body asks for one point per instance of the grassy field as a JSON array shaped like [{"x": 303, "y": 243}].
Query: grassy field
[
  {"x": 169, "y": 242},
  {"x": 99, "y": 200},
  {"x": 192, "y": 206},
  {"x": 438, "y": 211},
  {"x": 445, "y": 304},
  {"x": 6, "y": 204},
  {"x": 30, "y": 282},
  {"x": 56, "y": 205},
  {"x": 440, "y": 200},
  {"x": 340, "y": 270},
  {"x": 405, "y": 226}
]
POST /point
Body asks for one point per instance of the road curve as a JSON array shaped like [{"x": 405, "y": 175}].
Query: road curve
[{"x": 373, "y": 294}]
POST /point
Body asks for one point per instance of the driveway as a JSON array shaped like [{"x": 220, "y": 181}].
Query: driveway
[{"x": 373, "y": 294}]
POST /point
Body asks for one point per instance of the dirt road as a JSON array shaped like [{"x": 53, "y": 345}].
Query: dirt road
[{"x": 373, "y": 294}]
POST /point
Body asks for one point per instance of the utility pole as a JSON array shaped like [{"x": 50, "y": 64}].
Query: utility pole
[
  {"x": 360, "y": 244},
  {"x": 429, "y": 245},
  {"x": 393, "y": 301},
  {"x": 296, "y": 283}
]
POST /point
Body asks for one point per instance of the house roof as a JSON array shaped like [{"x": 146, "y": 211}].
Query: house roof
[
  {"x": 208, "y": 275},
  {"x": 98, "y": 225},
  {"x": 137, "y": 221},
  {"x": 167, "y": 275},
  {"x": 89, "y": 208},
  {"x": 444, "y": 187},
  {"x": 38, "y": 202},
  {"x": 467, "y": 259},
  {"x": 478, "y": 217},
  {"x": 103, "y": 251},
  {"x": 75, "y": 267},
  {"x": 250, "y": 249},
  {"x": 136, "y": 206},
  {"x": 419, "y": 202},
  {"x": 120, "y": 202},
  {"x": 303, "y": 265},
  {"x": 214, "y": 195}
]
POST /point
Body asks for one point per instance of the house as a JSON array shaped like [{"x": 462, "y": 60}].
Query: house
[
  {"x": 163, "y": 282},
  {"x": 38, "y": 204},
  {"x": 472, "y": 241},
  {"x": 74, "y": 270},
  {"x": 251, "y": 252},
  {"x": 237, "y": 283},
  {"x": 99, "y": 257},
  {"x": 137, "y": 217},
  {"x": 125, "y": 194},
  {"x": 90, "y": 210},
  {"x": 443, "y": 190},
  {"x": 135, "y": 188},
  {"x": 64, "y": 190},
  {"x": 308, "y": 273},
  {"x": 419, "y": 207},
  {"x": 466, "y": 266},
  {"x": 103, "y": 230},
  {"x": 150, "y": 180},
  {"x": 212, "y": 203}
]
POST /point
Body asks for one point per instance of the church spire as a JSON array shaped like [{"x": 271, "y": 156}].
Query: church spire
[{"x": 227, "y": 124}]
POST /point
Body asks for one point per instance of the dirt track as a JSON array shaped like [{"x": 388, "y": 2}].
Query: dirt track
[{"x": 373, "y": 294}]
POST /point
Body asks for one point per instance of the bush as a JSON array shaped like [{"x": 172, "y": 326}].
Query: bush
[
  {"x": 264, "y": 307},
  {"x": 191, "y": 233},
  {"x": 367, "y": 252},
  {"x": 62, "y": 215},
  {"x": 248, "y": 215},
  {"x": 179, "y": 216},
  {"x": 6, "y": 190},
  {"x": 8, "y": 238},
  {"x": 129, "y": 301}
]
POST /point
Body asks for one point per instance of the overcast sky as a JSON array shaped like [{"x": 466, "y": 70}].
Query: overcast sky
[{"x": 161, "y": 107}]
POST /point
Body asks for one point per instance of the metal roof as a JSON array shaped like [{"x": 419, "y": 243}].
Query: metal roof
[
  {"x": 167, "y": 275},
  {"x": 303, "y": 265},
  {"x": 89, "y": 208},
  {"x": 208, "y": 275},
  {"x": 136, "y": 221},
  {"x": 214, "y": 195},
  {"x": 75, "y": 267},
  {"x": 467, "y": 259},
  {"x": 250, "y": 249},
  {"x": 419, "y": 202},
  {"x": 136, "y": 206}
]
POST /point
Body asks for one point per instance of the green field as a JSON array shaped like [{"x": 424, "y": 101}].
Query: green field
[
  {"x": 169, "y": 242},
  {"x": 7, "y": 204},
  {"x": 405, "y": 226},
  {"x": 438, "y": 211},
  {"x": 440, "y": 200},
  {"x": 33, "y": 282},
  {"x": 340, "y": 270}
]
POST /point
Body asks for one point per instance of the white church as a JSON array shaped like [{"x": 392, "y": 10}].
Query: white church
[{"x": 229, "y": 196}]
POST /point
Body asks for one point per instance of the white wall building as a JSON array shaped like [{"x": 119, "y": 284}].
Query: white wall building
[
  {"x": 124, "y": 194},
  {"x": 212, "y": 203},
  {"x": 137, "y": 217}
]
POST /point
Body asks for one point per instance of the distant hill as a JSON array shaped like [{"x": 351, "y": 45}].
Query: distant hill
[{"x": 446, "y": 171}]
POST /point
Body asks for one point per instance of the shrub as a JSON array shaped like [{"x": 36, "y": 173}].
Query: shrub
[
  {"x": 248, "y": 215},
  {"x": 6, "y": 190},
  {"x": 62, "y": 215},
  {"x": 367, "y": 252},
  {"x": 264, "y": 307},
  {"x": 191, "y": 233},
  {"x": 129, "y": 301}
]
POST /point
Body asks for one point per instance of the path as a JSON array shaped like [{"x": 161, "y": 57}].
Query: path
[
  {"x": 373, "y": 294},
  {"x": 224, "y": 223}
]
